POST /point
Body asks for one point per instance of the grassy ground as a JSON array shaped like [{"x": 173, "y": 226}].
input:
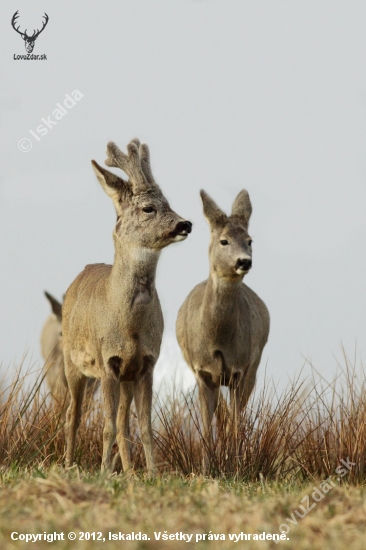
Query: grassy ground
[
  {"x": 56, "y": 501},
  {"x": 286, "y": 446}
]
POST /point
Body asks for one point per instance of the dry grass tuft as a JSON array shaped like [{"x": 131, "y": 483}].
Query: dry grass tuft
[{"x": 299, "y": 435}]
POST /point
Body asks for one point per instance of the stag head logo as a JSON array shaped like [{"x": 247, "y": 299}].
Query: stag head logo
[{"x": 28, "y": 40}]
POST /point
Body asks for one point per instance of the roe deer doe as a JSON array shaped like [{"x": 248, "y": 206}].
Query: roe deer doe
[
  {"x": 112, "y": 319},
  {"x": 52, "y": 350},
  {"x": 222, "y": 326},
  {"x": 52, "y": 353}
]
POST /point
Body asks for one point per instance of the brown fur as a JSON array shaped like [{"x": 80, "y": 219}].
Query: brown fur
[
  {"x": 52, "y": 350},
  {"x": 52, "y": 353},
  {"x": 112, "y": 320},
  {"x": 223, "y": 325}
]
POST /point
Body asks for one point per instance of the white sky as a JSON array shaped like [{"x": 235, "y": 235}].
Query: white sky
[{"x": 269, "y": 96}]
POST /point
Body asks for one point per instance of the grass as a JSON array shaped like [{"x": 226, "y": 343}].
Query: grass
[
  {"x": 298, "y": 435},
  {"x": 286, "y": 445},
  {"x": 56, "y": 501}
]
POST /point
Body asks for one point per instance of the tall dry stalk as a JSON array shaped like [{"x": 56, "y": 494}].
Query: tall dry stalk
[{"x": 301, "y": 433}]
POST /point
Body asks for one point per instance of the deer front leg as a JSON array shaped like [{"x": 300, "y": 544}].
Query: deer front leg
[
  {"x": 208, "y": 398},
  {"x": 123, "y": 427},
  {"x": 241, "y": 389},
  {"x": 143, "y": 401},
  {"x": 250, "y": 381},
  {"x": 76, "y": 382},
  {"x": 110, "y": 392}
]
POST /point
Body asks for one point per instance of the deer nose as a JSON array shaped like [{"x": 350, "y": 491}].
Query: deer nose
[
  {"x": 243, "y": 264},
  {"x": 184, "y": 227}
]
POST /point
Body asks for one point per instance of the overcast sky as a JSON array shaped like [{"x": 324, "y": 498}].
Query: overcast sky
[{"x": 229, "y": 94}]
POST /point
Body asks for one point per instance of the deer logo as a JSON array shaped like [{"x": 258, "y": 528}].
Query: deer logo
[{"x": 28, "y": 40}]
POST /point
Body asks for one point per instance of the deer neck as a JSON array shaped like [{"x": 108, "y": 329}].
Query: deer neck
[
  {"x": 220, "y": 302},
  {"x": 132, "y": 279}
]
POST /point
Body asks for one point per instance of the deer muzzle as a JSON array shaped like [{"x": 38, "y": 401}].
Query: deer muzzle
[
  {"x": 243, "y": 265},
  {"x": 182, "y": 230}
]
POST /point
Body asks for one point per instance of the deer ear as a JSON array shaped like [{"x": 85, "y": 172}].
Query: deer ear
[
  {"x": 55, "y": 305},
  {"x": 113, "y": 185},
  {"x": 214, "y": 215},
  {"x": 242, "y": 207}
]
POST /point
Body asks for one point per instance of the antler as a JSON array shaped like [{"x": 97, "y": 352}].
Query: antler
[
  {"x": 131, "y": 164},
  {"x": 13, "y": 21},
  {"x": 34, "y": 36},
  {"x": 145, "y": 160}
]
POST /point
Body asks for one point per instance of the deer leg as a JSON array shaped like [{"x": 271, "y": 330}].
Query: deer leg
[
  {"x": 235, "y": 387},
  {"x": 63, "y": 389},
  {"x": 245, "y": 388},
  {"x": 123, "y": 427},
  {"x": 76, "y": 382},
  {"x": 91, "y": 387},
  {"x": 208, "y": 398},
  {"x": 110, "y": 392},
  {"x": 143, "y": 400},
  {"x": 222, "y": 413},
  {"x": 241, "y": 389},
  {"x": 249, "y": 382}
]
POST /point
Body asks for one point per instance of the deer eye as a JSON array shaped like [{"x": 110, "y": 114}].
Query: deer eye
[
  {"x": 224, "y": 242},
  {"x": 250, "y": 242},
  {"x": 148, "y": 209}
]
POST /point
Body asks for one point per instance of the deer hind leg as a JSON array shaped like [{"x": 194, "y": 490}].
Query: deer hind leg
[
  {"x": 76, "y": 382},
  {"x": 110, "y": 392},
  {"x": 143, "y": 401},
  {"x": 123, "y": 428}
]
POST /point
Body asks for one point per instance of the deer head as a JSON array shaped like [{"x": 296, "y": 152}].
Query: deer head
[
  {"x": 28, "y": 40},
  {"x": 144, "y": 217},
  {"x": 231, "y": 246}
]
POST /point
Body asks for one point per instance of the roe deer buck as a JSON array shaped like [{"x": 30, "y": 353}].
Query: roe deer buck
[
  {"x": 112, "y": 319},
  {"x": 52, "y": 353},
  {"x": 222, "y": 326}
]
